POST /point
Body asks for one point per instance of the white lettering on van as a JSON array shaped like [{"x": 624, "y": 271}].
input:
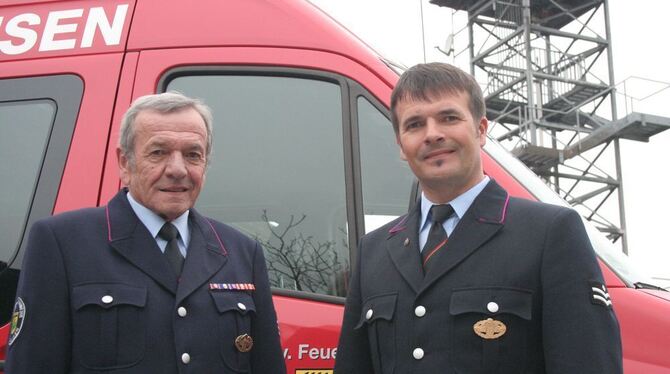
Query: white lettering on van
[
  {"x": 53, "y": 28},
  {"x": 61, "y": 30},
  {"x": 110, "y": 32},
  {"x": 14, "y": 29},
  {"x": 314, "y": 353}
]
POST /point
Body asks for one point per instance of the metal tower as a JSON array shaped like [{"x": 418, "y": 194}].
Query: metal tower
[{"x": 551, "y": 97}]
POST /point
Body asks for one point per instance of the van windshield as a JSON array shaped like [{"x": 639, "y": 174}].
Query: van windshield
[{"x": 605, "y": 249}]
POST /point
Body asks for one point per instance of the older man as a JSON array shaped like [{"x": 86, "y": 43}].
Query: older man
[
  {"x": 472, "y": 280},
  {"x": 146, "y": 284}
]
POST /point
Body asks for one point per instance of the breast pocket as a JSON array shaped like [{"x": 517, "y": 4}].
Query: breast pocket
[
  {"x": 377, "y": 318},
  {"x": 236, "y": 310},
  {"x": 490, "y": 329},
  {"x": 108, "y": 324}
]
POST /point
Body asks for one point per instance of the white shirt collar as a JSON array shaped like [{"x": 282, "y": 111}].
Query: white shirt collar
[
  {"x": 153, "y": 222},
  {"x": 461, "y": 203}
]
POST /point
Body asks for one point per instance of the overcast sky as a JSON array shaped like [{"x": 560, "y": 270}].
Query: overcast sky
[{"x": 393, "y": 28}]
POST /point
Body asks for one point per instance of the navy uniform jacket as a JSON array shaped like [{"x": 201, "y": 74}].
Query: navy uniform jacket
[
  {"x": 100, "y": 296},
  {"x": 522, "y": 263}
]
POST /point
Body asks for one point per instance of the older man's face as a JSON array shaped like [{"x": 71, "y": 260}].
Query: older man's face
[{"x": 168, "y": 169}]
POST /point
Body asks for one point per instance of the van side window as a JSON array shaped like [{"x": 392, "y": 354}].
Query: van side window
[
  {"x": 24, "y": 131},
  {"x": 386, "y": 179},
  {"x": 37, "y": 117},
  {"x": 277, "y": 172}
]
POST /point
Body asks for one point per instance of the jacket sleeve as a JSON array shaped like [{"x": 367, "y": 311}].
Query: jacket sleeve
[
  {"x": 266, "y": 356},
  {"x": 353, "y": 350},
  {"x": 580, "y": 333},
  {"x": 43, "y": 343}
]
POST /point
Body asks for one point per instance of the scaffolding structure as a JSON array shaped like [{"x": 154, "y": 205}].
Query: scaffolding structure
[{"x": 551, "y": 97}]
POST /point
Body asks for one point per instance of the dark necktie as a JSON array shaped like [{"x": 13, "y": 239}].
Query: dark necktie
[
  {"x": 437, "y": 237},
  {"x": 170, "y": 233}
]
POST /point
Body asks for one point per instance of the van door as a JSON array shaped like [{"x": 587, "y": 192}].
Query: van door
[{"x": 303, "y": 158}]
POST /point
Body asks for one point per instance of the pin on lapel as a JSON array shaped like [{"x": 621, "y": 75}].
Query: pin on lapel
[{"x": 406, "y": 243}]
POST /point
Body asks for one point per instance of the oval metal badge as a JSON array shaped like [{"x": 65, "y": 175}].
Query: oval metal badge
[
  {"x": 18, "y": 316},
  {"x": 489, "y": 328},
  {"x": 243, "y": 343}
]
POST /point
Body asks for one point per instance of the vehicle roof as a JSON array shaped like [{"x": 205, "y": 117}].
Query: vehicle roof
[
  {"x": 161, "y": 24},
  {"x": 258, "y": 23}
]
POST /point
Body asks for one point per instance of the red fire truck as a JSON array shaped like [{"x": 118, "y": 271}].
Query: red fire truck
[{"x": 302, "y": 126}]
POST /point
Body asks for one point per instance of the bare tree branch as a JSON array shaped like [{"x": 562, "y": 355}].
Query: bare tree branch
[{"x": 312, "y": 265}]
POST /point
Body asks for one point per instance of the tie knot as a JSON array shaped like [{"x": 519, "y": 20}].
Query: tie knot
[
  {"x": 168, "y": 232},
  {"x": 440, "y": 213}
]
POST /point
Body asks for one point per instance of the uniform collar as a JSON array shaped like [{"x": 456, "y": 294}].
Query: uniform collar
[
  {"x": 153, "y": 222},
  {"x": 461, "y": 203}
]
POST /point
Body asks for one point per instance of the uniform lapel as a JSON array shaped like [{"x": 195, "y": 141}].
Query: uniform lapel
[
  {"x": 482, "y": 221},
  {"x": 403, "y": 247},
  {"x": 205, "y": 256},
  {"x": 131, "y": 239}
]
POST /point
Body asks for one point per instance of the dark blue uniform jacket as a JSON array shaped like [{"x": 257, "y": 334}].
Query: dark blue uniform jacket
[
  {"x": 100, "y": 297},
  {"x": 527, "y": 265}
]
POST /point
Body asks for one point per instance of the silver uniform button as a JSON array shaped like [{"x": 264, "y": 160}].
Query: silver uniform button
[
  {"x": 420, "y": 311},
  {"x": 107, "y": 299},
  {"x": 493, "y": 307},
  {"x": 182, "y": 311},
  {"x": 185, "y": 358},
  {"x": 369, "y": 314},
  {"x": 241, "y": 306},
  {"x": 418, "y": 353}
]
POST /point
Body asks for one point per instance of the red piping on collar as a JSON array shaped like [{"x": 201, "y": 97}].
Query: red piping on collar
[
  {"x": 109, "y": 225},
  {"x": 503, "y": 215},
  {"x": 398, "y": 227},
  {"x": 217, "y": 237},
  {"x": 504, "y": 212}
]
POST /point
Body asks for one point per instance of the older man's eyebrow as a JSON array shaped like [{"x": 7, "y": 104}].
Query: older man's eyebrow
[
  {"x": 156, "y": 144},
  {"x": 195, "y": 147}
]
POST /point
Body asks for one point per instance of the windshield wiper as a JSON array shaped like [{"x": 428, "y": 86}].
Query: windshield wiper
[{"x": 647, "y": 286}]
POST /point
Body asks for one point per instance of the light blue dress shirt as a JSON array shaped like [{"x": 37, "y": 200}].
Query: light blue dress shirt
[
  {"x": 460, "y": 205},
  {"x": 153, "y": 222}
]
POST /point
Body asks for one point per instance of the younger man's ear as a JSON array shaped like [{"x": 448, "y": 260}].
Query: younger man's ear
[{"x": 482, "y": 128}]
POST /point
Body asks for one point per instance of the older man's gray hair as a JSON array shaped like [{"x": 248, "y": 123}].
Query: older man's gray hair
[{"x": 164, "y": 103}]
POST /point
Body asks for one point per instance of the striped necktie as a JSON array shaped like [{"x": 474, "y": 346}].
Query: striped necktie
[{"x": 437, "y": 237}]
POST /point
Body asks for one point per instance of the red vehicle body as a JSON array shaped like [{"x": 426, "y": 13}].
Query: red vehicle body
[{"x": 85, "y": 61}]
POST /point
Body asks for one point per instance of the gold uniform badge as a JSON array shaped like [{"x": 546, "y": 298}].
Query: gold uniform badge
[
  {"x": 489, "y": 328},
  {"x": 243, "y": 343}
]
